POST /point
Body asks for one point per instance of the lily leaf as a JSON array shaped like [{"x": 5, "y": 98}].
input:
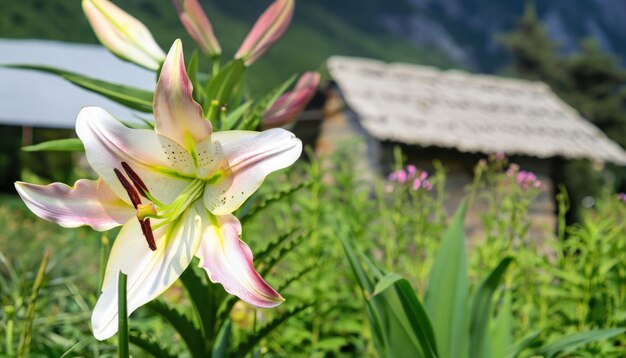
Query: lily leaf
[
  {"x": 447, "y": 301},
  {"x": 58, "y": 145},
  {"x": 482, "y": 311},
  {"x": 221, "y": 86},
  {"x": 576, "y": 340},
  {"x": 131, "y": 97}
]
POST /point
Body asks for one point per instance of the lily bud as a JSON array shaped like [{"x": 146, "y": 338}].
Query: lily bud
[
  {"x": 125, "y": 36},
  {"x": 198, "y": 26},
  {"x": 289, "y": 106},
  {"x": 266, "y": 31}
]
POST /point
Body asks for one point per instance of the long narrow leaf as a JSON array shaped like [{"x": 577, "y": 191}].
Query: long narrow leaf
[
  {"x": 187, "y": 330},
  {"x": 249, "y": 342},
  {"x": 206, "y": 299},
  {"x": 516, "y": 348},
  {"x": 132, "y": 97},
  {"x": 58, "y": 145},
  {"x": 447, "y": 301},
  {"x": 220, "y": 87},
  {"x": 150, "y": 346},
  {"x": 576, "y": 340},
  {"x": 23, "y": 347},
  {"x": 222, "y": 341},
  {"x": 392, "y": 331},
  {"x": 418, "y": 317},
  {"x": 482, "y": 311},
  {"x": 502, "y": 329}
]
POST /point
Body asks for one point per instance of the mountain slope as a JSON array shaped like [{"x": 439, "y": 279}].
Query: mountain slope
[
  {"x": 315, "y": 34},
  {"x": 467, "y": 30}
]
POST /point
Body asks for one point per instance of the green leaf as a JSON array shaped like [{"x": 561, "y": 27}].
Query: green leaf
[
  {"x": 59, "y": 145},
  {"x": 192, "y": 73},
  {"x": 253, "y": 120},
  {"x": 23, "y": 347},
  {"x": 281, "y": 253},
  {"x": 188, "y": 331},
  {"x": 295, "y": 277},
  {"x": 222, "y": 342},
  {"x": 394, "y": 335},
  {"x": 233, "y": 117},
  {"x": 417, "y": 316},
  {"x": 576, "y": 340},
  {"x": 514, "y": 350},
  {"x": 206, "y": 299},
  {"x": 253, "y": 339},
  {"x": 269, "y": 200},
  {"x": 150, "y": 346},
  {"x": 502, "y": 329},
  {"x": 122, "y": 316},
  {"x": 78, "y": 346},
  {"x": 383, "y": 284},
  {"x": 447, "y": 301},
  {"x": 220, "y": 87},
  {"x": 273, "y": 245},
  {"x": 482, "y": 311},
  {"x": 131, "y": 97}
]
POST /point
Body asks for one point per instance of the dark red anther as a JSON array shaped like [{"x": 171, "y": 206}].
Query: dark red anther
[
  {"x": 134, "y": 177},
  {"x": 132, "y": 193},
  {"x": 147, "y": 232}
]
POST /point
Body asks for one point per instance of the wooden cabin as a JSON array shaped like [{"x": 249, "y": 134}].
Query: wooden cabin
[{"x": 457, "y": 118}]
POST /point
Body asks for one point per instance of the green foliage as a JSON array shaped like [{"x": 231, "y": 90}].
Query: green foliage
[
  {"x": 61, "y": 145},
  {"x": 447, "y": 296}
]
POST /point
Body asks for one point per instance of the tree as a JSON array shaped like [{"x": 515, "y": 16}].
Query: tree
[{"x": 591, "y": 81}]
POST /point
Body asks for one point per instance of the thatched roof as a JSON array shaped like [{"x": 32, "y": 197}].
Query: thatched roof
[
  {"x": 29, "y": 98},
  {"x": 473, "y": 113}
]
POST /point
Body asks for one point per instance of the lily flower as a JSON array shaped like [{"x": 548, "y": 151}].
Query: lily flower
[
  {"x": 198, "y": 26},
  {"x": 173, "y": 190},
  {"x": 122, "y": 34},
  {"x": 289, "y": 106},
  {"x": 268, "y": 29}
]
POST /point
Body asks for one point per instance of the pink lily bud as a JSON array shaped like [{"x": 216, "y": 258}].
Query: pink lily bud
[
  {"x": 266, "y": 31},
  {"x": 289, "y": 106},
  {"x": 423, "y": 176},
  {"x": 411, "y": 169},
  {"x": 122, "y": 34},
  {"x": 198, "y": 26}
]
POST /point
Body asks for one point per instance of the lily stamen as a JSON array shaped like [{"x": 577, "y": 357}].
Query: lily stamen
[
  {"x": 132, "y": 192},
  {"x": 134, "y": 177},
  {"x": 147, "y": 232}
]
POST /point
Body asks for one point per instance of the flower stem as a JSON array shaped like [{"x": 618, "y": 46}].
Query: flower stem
[{"x": 122, "y": 315}]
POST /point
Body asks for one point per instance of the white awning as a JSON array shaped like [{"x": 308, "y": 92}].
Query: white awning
[{"x": 30, "y": 98}]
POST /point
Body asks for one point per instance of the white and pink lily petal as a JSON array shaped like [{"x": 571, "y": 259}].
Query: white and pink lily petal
[
  {"x": 228, "y": 260},
  {"x": 88, "y": 202}
]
